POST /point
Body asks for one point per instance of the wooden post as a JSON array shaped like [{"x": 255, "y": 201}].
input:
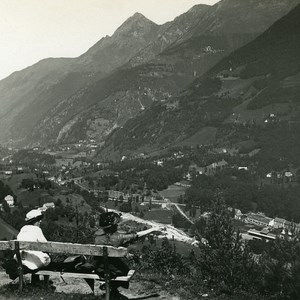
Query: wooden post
[
  {"x": 106, "y": 274},
  {"x": 20, "y": 268}
]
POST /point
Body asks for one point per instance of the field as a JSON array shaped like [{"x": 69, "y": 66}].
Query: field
[
  {"x": 35, "y": 198},
  {"x": 74, "y": 200},
  {"x": 206, "y": 135},
  {"x": 159, "y": 215},
  {"x": 173, "y": 192},
  {"x": 156, "y": 214},
  {"x": 15, "y": 180}
]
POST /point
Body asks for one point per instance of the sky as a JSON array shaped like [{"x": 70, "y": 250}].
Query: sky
[{"x": 31, "y": 30}]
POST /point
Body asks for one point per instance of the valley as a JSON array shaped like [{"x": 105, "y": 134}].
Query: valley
[{"x": 192, "y": 126}]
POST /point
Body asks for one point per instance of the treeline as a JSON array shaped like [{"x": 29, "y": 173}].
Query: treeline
[
  {"x": 16, "y": 217},
  {"x": 139, "y": 173},
  {"x": 32, "y": 158},
  {"x": 31, "y": 184},
  {"x": 66, "y": 223},
  {"x": 241, "y": 191}
]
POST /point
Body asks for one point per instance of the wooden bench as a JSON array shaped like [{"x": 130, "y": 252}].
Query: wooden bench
[{"x": 69, "y": 248}]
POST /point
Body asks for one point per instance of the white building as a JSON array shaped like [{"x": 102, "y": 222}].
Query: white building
[
  {"x": 47, "y": 205},
  {"x": 10, "y": 200}
]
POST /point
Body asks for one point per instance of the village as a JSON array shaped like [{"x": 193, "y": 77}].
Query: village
[{"x": 69, "y": 169}]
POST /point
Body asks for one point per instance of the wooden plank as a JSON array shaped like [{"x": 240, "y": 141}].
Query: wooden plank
[
  {"x": 84, "y": 275},
  {"x": 6, "y": 245},
  {"x": 69, "y": 248},
  {"x": 68, "y": 274}
]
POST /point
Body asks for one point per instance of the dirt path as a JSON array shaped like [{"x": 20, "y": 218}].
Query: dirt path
[{"x": 137, "y": 290}]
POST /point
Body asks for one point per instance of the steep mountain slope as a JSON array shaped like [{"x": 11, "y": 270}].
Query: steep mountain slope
[
  {"x": 78, "y": 81},
  {"x": 111, "y": 52},
  {"x": 170, "y": 33},
  {"x": 43, "y": 85},
  {"x": 99, "y": 108},
  {"x": 86, "y": 98},
  {"x": 252, "y": 93},
  {"x": 226, "y": 26}
]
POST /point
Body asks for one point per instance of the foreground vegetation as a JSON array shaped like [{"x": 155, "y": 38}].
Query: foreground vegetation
[{"x": 224, "y": 266}]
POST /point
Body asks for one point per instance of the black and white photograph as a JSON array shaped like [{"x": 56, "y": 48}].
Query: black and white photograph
[{"x": 150, "y": 149}]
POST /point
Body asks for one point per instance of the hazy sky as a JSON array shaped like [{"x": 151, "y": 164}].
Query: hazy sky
[{"x": 31, "y": 30}]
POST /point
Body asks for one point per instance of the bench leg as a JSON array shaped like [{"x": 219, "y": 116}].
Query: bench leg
[
  {"x": 107, "y": 291},
  {"x": 35, "y": 279},
  {"x": 46, "y": 280},
  {"x": 20, "y": 270},
  {"x": 106, "y": 273},
  {"x": 20, "y": 267}
]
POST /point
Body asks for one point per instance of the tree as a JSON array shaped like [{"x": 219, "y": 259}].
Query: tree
[
  {"x": 58, "y": 202},
  {"x": 121, "y": 198},
  {"x": 225, "y": 259},
  {"x": 92, "y": 222},
  {"x": 281, "y": 265}
]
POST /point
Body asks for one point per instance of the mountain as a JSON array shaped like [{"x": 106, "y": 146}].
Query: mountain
[
  {"x": 250, "y": 95},
  {"x": 92, "y": 95},
  {"x": 40, "y": 87},
  {"x": 110, "y": 102},
  {"x": 170, "y": 33},
  {"x": 112, "y": 52},
  {"x": 226, "y": 26}
]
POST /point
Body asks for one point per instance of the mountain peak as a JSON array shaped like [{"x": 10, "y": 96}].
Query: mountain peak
[
  {"x": 138, "y": 15},
  {"x": 138, "y": 24}
]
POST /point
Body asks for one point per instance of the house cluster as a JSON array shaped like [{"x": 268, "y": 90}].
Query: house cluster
[
  {"x": 117, "y": 195},
  {"x": 208, "y": 170},
  {"x": 82, "y": 148},
  {"x": 287, "y": 176},
  {"x": 281, "y": 226},
  {"x": 235, "y": 151},
  {"x": 270, "y": 118},
  {"x": 10, "y": 170},
  {"x": 70, "y": 162}
]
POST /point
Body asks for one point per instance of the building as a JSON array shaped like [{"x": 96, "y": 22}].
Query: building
[
  {"x": 212, "y": 168},
  {"x": 10, "y": 200},
  {"x": 243, "y": 168},
  {"x": 47, "y": 205},
  {"x": 258, "y": 219},
  {"x": 237, "y": 213},
  {"x": 198, "y": 170},
  {"x": 281, "y": 223},
  {"x": 263, "y": 234}
]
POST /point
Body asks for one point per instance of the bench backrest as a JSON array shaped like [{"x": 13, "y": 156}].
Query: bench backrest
[{"x": 64, "y": 248}]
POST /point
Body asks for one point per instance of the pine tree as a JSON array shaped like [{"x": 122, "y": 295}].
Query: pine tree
[{"x": 225, "y": 261}]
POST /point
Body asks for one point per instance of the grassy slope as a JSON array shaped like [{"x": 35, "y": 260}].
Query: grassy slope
[{"x": 6, "y": 231}]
